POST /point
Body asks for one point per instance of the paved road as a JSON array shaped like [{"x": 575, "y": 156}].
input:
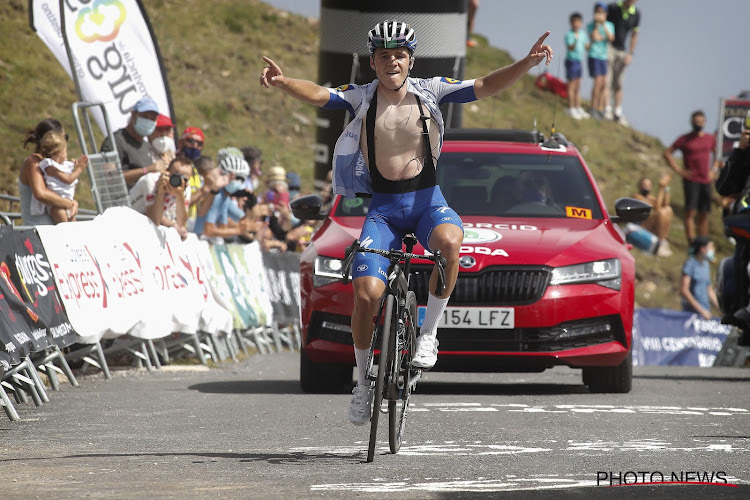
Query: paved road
[{"x": 246, "y": 431}]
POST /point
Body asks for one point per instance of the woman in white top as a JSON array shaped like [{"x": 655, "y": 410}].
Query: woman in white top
[{"x": 31, "y": 180}]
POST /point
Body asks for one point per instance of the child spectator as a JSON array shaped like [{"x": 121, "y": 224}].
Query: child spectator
[
  {"x": 577, "y": 43},
  {"x": 601, "y": 33},
  {"x": 60, "y": 175}
]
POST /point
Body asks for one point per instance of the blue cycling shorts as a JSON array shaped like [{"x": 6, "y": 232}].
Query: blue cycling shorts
[{"x": 391, "y": 217}]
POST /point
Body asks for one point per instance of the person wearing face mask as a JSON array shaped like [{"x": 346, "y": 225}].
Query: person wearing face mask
[
  {"x": 660, "y": 219},
  {"x": 225, "y": 218},
  {"x": 132, "y": 147},
  {"x": 191, "y": 143},
  {"x": 697, "y": 147},
  {"x": 695, "y": 286},
  {"x": 162, "y": 140}
]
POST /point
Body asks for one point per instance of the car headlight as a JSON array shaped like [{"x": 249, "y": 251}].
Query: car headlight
[
  {"x": 606, "y": 273},
  {"x": 327, "y": 270}
]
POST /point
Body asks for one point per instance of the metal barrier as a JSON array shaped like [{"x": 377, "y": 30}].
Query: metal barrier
[{"x": 108, "y": 186}]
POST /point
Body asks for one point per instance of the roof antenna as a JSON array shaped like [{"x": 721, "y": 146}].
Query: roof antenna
[{"x": 553, "y": 141}]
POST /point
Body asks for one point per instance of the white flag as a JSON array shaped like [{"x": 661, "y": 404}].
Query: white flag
[{"x": 115, "y": 54}]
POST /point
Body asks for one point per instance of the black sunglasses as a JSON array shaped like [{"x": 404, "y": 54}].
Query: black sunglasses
[{"x": 192, "y": 141}]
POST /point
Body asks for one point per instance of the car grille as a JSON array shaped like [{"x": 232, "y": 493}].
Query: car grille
[{"x": 497, "y": 286}]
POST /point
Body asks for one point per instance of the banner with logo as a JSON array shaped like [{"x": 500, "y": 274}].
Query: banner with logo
[
  {"x": 666, "y": 337},
  {"x": 256, "y": 275},
  {"x": 282, "y": 271},
  {"x": 115, "y": 55},
  {"x": 223, "y": 263},
  {"x": 731, "y": 115},
  {"x": 31, "y": 274}
]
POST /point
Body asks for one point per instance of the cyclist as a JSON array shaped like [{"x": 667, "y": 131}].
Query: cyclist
[{"x": 396, "y": 119}]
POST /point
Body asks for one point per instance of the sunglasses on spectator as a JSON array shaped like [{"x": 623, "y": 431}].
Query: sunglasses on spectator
[{"x": 193, "y": 142}]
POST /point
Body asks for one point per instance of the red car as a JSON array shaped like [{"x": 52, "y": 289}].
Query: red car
[{"x": 546, "y": 277}]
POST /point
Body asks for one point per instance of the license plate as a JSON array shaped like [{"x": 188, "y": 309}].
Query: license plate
[{"x": 488, "y": 318}]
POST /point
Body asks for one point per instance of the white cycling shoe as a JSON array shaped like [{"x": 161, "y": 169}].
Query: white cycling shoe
[
  {"x": 359, "y": 410},
  {"x": 425, "y": 356}
]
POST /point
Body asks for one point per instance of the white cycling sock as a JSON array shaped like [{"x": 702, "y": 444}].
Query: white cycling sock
[
  {"x": 435, "y": 308},
  {"x": 361, "y": 356}
]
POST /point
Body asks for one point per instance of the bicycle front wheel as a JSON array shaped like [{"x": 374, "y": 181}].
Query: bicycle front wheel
[
  {"x": 377, "y": 399},
  {"x": 406, "y": 343}
]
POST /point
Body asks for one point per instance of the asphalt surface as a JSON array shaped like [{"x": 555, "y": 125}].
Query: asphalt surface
[{"x": 245, "y": 430}]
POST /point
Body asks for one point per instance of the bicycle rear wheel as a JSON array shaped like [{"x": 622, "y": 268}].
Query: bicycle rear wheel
[
  {"x": 406, "y": 343},
  {"x": 377, "y": 399}
]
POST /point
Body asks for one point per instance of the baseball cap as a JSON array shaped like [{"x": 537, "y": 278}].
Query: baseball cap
[
  {"x": 294, "y": 181},
  {"x": 194, "y": 131},
  {"x": 164, "y": 121},
  {"x": 145, "y": 104}
]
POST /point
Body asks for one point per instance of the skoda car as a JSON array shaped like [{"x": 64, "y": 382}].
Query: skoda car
[{"x": 546, "y": 277}]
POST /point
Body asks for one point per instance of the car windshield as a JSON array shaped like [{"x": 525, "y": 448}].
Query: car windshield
[
  {"x": 517, "y": 185},
  {"x": 511, "y": 185}
]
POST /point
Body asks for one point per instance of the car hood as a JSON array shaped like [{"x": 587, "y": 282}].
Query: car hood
[{"x": 503, "y": 241}]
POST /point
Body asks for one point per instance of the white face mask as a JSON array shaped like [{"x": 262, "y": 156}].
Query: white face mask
[{"x": 164, "y": 144}]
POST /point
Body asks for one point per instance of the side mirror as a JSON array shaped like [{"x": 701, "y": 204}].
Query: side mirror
[
  {"x": 308, "y": 207},
  {"x": 631, "y": 210}
]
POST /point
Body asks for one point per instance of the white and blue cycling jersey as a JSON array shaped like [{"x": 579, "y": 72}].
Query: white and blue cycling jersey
[{"x": 350, "y": 174}]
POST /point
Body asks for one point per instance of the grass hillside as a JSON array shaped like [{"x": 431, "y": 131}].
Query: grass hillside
[{"x": 212, "y": 52}]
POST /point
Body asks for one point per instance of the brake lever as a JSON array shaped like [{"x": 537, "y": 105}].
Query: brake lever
[
  {"x": 349, "y": 254},
  {"x": 441, "y": 263}
]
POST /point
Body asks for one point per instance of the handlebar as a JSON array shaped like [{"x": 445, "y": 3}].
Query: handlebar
[{"x": 394, "y": 256}]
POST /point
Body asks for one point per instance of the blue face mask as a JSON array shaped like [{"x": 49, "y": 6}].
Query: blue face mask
[
  {"x": 144, "y": 126},
  {"x": 234, "y": 186},
  {"x": 192, "y": 153},
  {"x": 710, "y": 255}
]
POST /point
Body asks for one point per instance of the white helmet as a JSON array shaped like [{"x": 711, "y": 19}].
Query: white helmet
[
  {"x": 232, "y": 160},
  {"x": 391, "y": 34}
]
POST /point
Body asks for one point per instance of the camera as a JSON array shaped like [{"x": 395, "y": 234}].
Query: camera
[{"x": 175, "y": 180}]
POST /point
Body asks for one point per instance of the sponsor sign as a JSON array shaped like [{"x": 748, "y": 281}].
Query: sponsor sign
[{"x": 731, "y": 115}]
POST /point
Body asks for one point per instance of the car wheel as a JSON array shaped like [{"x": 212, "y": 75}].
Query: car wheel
[
  {"x": 323, "y": 377},
  {"x": 610, "y": 378}
]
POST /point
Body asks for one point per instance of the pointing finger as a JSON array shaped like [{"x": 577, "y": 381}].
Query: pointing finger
[{"x": 542, "y": 38}]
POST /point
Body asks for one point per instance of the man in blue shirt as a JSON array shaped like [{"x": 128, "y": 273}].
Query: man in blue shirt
[
  {"x": 695, "y": 287},
  {"x": 397, "y": 120}
]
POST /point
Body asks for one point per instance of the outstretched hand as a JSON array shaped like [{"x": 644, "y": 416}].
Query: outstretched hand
[
  {"x": 271, "y": 74},
  {"x": 540, "y": 50}
]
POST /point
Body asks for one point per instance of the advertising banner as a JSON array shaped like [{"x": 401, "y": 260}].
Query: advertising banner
[
  {"x": 731, "y": 115},
  {"x": 115, "y": 55},
  {"x": 665, "y": 337},
  {"x": 223, "y": 264},
  {"x": 280, "y": 268}
]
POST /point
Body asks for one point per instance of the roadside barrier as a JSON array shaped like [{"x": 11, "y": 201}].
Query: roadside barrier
[{"x": 119, "y": 284}]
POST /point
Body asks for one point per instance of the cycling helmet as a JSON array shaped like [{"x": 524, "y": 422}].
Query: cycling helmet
[
  {"x": 232, "y": 160},
  {"x": 391, "y": 34}
]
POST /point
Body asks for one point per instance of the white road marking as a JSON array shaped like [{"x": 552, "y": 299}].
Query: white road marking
[{"x": 575, "y": 409}]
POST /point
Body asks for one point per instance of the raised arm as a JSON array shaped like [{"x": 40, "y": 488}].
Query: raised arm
[
  {"x": 503, "y": 78},
  {"x": 69, "y": 178},
  {"x": 302, "y": 90}
]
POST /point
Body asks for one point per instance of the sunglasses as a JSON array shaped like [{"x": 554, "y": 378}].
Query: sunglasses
[{"x": 193, "y": 142}]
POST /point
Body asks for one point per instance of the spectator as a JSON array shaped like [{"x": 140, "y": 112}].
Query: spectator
[
  {"x": 253, "y": 157},
  {"x": 626, "y": 19},
  {"x": 577, "y": 43},
  {"x": 277, "y": 198},
  {"x": 695, "y": 287},
  {"x": 471, "y": 14},
  {"x": 163, "y": 197},
  {"x": 661, "y": 212},
  {"x": 601, "y": 32},
  {"x": 132, "y": 148},
  {"x": 326, "y": 191},
  {"x": 162, "y": 140},
  {"x": 294, "y": 183},
  {"x": 224, "y": 218},
  {"x": 31, "y": 180},
  {"x": 60, "y": 175},
  {"x": 191, "y": 143},
  {"x": 200, "y": 189},
  {"x": 697, "y": 147}
]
